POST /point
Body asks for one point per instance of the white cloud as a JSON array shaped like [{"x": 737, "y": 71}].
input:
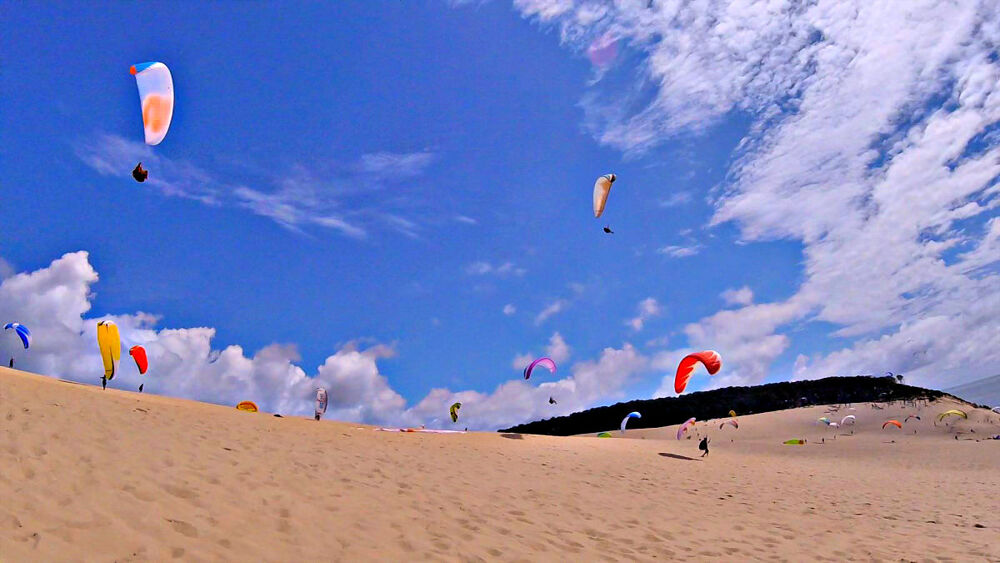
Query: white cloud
[
  {"x": 396, "y": 166},
  {"x": 54, "y": 302},
  {"x": 554, "y": 308},
  {"x": 6, "y": 269},
  {"x": 521, "y": 360},
  {"x": 319, "y": 195},
  {"x": 648, "y": 308},
  {"x": 483, "y": 268},
  {"x": 557, "y": 349},
  {"x": 466, "y": 220},
  {"x": 873, "y": 145},
  {"x": 509, "y": 309},
  {"x": 676, "y": 199},
  {"x": 741, "y": 296},
  {"x": 675, "y": 251}
]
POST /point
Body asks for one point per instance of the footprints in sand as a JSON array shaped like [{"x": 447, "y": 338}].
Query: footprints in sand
[{"x": 183, "y": 528}]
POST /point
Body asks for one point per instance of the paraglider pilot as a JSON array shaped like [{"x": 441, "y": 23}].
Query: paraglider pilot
[
  {"x": 139, "y": 174},
  {"x": 703, "y": 445}
]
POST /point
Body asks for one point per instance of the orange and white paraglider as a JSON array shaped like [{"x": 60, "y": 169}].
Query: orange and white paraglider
[{"x": 708, "y": 358}]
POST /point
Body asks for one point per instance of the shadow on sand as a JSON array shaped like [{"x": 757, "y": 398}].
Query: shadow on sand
[
  {"x": 512, "y": 436},
  {"x": 678, "y": 456}
]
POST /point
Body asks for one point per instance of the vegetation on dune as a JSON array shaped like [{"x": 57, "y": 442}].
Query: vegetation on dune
[{"x": 744, "y": 400}]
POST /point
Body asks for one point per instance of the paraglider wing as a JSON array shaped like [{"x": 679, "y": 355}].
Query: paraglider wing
[
  {"x": 907, "y": 419},
  {"x": 731, "y": 422},
  {"x": 602, "y": 187},
  {"x": 824, "y": 420},
  {"x": 996, "y": 410},
  {"x": 683, "y": 428},
  {"x": 544, "y": 362},
  {"x": 834, "y": 425},
  {"x": 322, "y": 399},
  {"x": 708, "y": 358},
  {"x": 22, "y": 332},
  {"x": 798, "y": 442},
  {"x": 732, "y": 414},
  {"x": 454, "y": 411},
  {"x": 895, "y": 423},
  {"x": 625, "y": 420},
  {"x": 138, "y": 354},
  {"x": 111, "y": 347},
  {"x": 847, "y": 418},
  {"x": 952, "y": 412},
  {"x": 156, "y": 94},
  {"x": 604, "y": 435},
  {"x": 248, "y": 406}
]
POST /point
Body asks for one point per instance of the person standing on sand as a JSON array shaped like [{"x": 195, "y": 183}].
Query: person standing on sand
[
  {"x": 703, "y": 445},
  {"x": 104, "y": 382}
]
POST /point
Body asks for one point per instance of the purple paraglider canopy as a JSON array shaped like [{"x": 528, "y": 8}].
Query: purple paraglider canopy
[{"x": 546, "y": 362}]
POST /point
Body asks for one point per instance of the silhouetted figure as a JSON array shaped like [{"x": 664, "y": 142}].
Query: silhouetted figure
[
  {"x": 140, "y": 387},
  {"x": 608, "y": 230},
  {"x": 703, "y": 445},
  {"x": 12, "y": 362},
  {"x": 139, "y": 174},
  {"x": 552, "y": 401},
  {"x": 104, "y": 382}
]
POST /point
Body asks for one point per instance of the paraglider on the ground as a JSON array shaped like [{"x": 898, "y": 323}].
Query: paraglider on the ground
[
  {"x": 732, "y": 413},
  {"x": 247, "y": 406},
  {"x": 544, "y": 362},
  {"x": 708, "y": 358},
  {"x": 552, "y": 401},
  {"x": 833, "y": 425},
  {"x": 21, "y": 331},
  {"x": 907, "y": 419},
  {"x": 321, "y": 402},
  {"x": 797, "y": 442},
  {"x": 454, "y": 411},
  {"x": 895, "y": 423},
  {"x": 684, "y": 427},
  {"x": 602, "y": 187},
  {"x": 138, "y": 354},
  {"x": 952, "y": 412},
  {"x": 604, "y": 435},
  {"x": 111, "y": 349},
  {"x": 625, "y": 420},
  {"x": 849, "y": 418},
  {"x": 824, "y": 420},
  {"x": 996, "y": 410},
  {"x": 731, "y": 422},
  {"x": 608, "y": 230}
]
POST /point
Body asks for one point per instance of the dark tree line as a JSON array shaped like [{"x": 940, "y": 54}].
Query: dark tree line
[{"x": 744, "y": 400}]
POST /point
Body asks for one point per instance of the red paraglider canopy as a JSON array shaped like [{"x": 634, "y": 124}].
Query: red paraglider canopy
[
  {"x": 709, "y": 358},
  {"x": 138, "y": 354}
]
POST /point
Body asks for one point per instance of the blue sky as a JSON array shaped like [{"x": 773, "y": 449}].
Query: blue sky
[{"x": 369, "y": 175}]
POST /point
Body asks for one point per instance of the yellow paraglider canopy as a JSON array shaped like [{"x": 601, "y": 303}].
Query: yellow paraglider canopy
[
  {"x": 111, "y": 347},
  {"x": 952, "y": 412},
  {"x": 248, "y": 406}
]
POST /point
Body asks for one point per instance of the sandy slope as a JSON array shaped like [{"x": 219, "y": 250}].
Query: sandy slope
[{"x": 101, "y": 476}]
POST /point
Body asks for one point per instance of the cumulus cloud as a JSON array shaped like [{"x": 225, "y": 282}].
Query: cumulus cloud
[
  {"x": 557, "y": 349},
  {"x": 55, "y": 301},
  {"x": 648, "y": 308},
  {"x": 465, "y": 219},
  {"x": 873, "y": 145},
  {"x": 741, "y": 296}
]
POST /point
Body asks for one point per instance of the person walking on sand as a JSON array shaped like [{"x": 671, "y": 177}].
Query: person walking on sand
[{"x": 703, "y": 445}]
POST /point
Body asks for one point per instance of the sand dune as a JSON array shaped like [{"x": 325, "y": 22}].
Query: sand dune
[{"x": 111, "y": 475}]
